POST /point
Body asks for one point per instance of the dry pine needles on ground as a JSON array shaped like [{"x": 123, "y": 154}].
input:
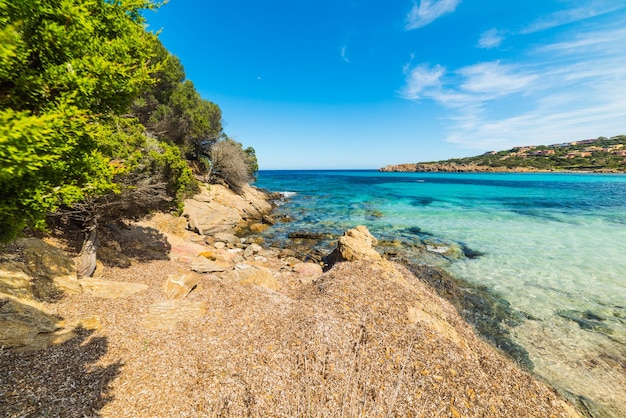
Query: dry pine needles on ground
[{"x": 366, "y": 339}]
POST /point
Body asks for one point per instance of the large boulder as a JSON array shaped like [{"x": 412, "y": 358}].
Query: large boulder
[
  {"x": 218, "y": 209},
  {"x": 15, "y": 280},
  {"x": 52, "y": 271},
  {"x": 355, "y": 244},
  {"x": 35, "y": 271},
  {"x": 206, "y": 218},
  {"x": 22, "y": 321}
]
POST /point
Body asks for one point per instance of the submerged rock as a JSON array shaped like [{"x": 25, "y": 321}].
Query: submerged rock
[
  {"x": 587, "y": 320},
  {"x": 307, "y": 235},
  {"x": 489, "y": 314}
]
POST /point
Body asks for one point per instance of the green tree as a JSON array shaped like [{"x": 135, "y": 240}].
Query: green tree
[
  {"x": 251, "y": 162},
  {"x": 65, "y": 65},
  {"x": 169, "y": 75},
  {"x": 188, "y": 121}
]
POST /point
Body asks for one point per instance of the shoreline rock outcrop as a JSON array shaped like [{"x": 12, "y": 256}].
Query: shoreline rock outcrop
[
  {"x": 456, "y": 168},
  {"x": 217, "y": 209},
  {"x": 355, "y": 244}
]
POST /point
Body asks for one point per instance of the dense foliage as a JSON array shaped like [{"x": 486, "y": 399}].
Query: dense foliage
[
  {"x": 97, "y": 120},
  {"x": 64, "y": 64},
  {"x": 174, "y": 111}
]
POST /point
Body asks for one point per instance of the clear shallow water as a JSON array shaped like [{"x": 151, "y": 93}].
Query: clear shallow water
[{"x": 553, "y": 246}]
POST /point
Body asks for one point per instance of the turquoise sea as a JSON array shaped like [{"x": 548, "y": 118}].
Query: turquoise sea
[{"x": 550, "y": 247}]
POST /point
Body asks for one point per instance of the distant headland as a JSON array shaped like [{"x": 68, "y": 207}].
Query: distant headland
[{"x": 600, "y": 155}]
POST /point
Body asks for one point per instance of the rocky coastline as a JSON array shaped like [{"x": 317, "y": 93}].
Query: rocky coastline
[
  {"x": 600, "y": 155},
  {"x": 456, "y": 168},
  {"x": 471, "y": 168},
  {"x": 196, "y": 315}
]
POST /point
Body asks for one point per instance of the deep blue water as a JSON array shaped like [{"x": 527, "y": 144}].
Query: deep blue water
[{"x": 552, "y": 245}]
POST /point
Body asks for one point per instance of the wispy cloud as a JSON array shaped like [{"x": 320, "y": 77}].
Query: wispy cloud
[
  {"x": 491, "y": 39},
  {"x": 491, "y": 79},
  {"x": 584, "y": 43},
  {"x": 563, "y": 90},
  {"x": 344, "y": 54},
  {"x": 468, "y": 86},
  {"x": 420, "y": 80},
  {"x": 564, "y": 17},
  {"x": 539, "y": 126},
  {"x": 427, "y": 11}
]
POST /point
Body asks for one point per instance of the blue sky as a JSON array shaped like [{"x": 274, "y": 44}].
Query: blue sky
[{"x": 362, "y": 83}]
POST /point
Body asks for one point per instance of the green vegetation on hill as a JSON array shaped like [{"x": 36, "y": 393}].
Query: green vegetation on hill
[
  {"x": 97, "y": 119},
  {"x": 598, "y": 155}
]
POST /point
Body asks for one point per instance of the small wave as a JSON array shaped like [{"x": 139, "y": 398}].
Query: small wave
[{"x": 287, "y": 195}]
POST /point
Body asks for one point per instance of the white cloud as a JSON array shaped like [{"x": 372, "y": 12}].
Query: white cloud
[
  {"x": 344, "y": 54},
  {"x": 469, "y": 86},
  {"x": 541, "y": 126},
  {"x": 566, "y": 90},
  {"x": 493, "y": 79},
  {"x": 428, "y": 10},
  {"x": 491, "y": 39},
  {"x": 584, "y": 43},
  {"x": 420, "y": 79},
  {"x": 563, "y": 17}
]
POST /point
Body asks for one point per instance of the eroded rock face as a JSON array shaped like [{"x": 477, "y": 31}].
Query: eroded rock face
[
  {"x": 22, "y": 320},
  {"x": 15, "y": 280},
  {"x": 207, "y": 218},
  {"x": 42, "y": 272},
  {"x": 218, "y": 209},
  {"x": 53, "y": 272},
  {"x": 355, "y": 244}
]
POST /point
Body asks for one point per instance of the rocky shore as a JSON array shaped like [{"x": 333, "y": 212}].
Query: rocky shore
[
  {"x": 184, "y": 317},
  {"x": 456, "y": 168}
]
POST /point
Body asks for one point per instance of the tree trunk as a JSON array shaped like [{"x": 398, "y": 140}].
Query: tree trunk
[{"x": 87, "y": 256}]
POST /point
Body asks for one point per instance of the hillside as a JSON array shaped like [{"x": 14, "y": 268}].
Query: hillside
[{"x": 596, "y": 155}]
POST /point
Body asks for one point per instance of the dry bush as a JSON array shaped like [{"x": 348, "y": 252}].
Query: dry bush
[{"x": 228, "y": 164}]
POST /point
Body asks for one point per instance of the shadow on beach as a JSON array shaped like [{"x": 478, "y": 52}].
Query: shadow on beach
[{"x": 65, "y": 380}]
